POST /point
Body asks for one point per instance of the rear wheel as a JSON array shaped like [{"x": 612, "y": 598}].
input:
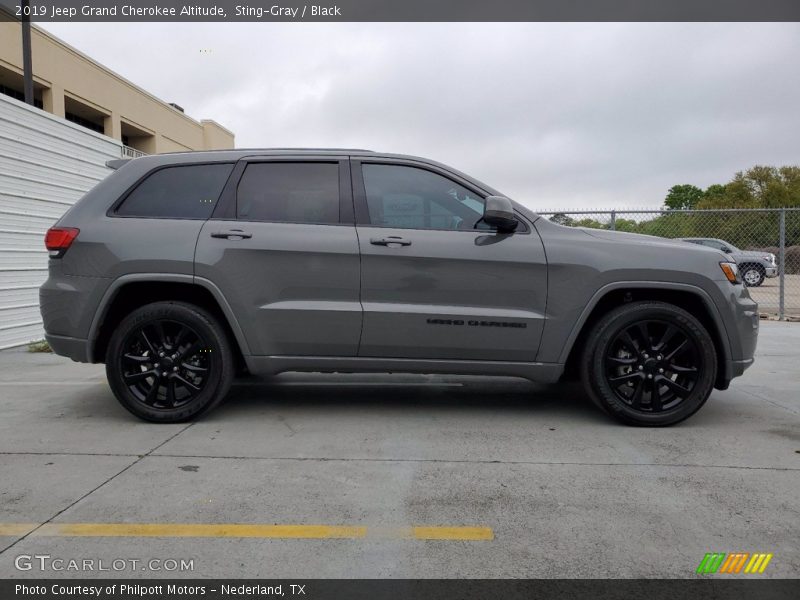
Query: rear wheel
[
  {"x": 649, "y": 364},
  {"x": 169, "y": 362},
  {"x": 753, "y": 275}
]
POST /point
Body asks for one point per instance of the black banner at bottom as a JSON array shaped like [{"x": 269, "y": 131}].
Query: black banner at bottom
[{"x": 418, "y": 589}]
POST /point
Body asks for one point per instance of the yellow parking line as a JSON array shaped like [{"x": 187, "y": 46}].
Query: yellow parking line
[
  {"x": 244, "y": 530},
  {"x": 453, "y": 533},
  {"x": 220, "y": 530},
  {"x": 17, "y": 528}
]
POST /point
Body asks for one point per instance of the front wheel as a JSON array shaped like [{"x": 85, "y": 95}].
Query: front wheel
[
  {"x": 753, "y": 275},
  {"x": 168, "y": 362},
  {"x": 649, "y": 364}
]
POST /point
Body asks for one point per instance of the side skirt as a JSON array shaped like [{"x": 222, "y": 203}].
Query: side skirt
[{"x": 272, "y": 365}]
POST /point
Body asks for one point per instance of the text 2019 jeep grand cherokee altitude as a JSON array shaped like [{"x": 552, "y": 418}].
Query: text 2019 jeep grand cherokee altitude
[{"x": 178, "y": 270}]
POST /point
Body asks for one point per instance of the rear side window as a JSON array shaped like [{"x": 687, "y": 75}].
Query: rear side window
[
  {"x": 181, "y": 192},
  {"x": 286, "y": 192}
]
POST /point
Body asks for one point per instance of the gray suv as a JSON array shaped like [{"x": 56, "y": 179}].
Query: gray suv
[
  {"x": 180, "y": 271},
  {"x": 753, "y": 266}
]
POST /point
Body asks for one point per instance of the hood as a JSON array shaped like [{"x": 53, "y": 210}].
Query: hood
[
  {"x": 753, "y": 253},
  {"x": 650, "y": 240},
  {"x": 624, "y": 236}
]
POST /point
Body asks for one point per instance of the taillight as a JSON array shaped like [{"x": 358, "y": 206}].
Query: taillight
[{"x": 59, "y": 239}]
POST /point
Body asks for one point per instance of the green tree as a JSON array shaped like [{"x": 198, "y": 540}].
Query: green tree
[
  {"x": 682, "y": 197},
  {"x": 628, "y": 225},
  {"x": 563, "y": 219},
  {"x": 591, "y": 223},
  {"x": 758, "y": 187}
]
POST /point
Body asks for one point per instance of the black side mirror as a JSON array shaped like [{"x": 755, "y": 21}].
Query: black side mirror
[{"x": 499, "y": 212}]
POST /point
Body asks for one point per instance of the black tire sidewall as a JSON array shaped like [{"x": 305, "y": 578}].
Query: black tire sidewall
[
  {"x": 593, "y": 365},
  {"x": 220, "y": 376}
]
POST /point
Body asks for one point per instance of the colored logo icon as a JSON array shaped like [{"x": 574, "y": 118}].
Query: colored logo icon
[{"x": 736, "y": 562}]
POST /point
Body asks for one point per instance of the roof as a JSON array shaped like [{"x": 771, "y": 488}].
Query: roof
[
  {"x": 250, "y": 151},
  {"x": 151, "y": 161}
]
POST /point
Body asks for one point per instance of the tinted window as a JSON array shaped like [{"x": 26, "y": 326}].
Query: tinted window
[
  {"x": 412, "y": 198},
  {"x": 712, "y": 244},
  {"x": 289, "y": 193},
  {"x": 188, "y": 192}
]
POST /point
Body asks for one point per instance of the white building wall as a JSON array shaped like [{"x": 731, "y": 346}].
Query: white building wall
[{"x": 46, "y": 164}]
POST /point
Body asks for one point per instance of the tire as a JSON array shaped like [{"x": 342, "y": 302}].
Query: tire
[
  {"x": 753, "y": 275},
  {"x": 623, "y": 355},
  {"x": 194, "y": 357}
]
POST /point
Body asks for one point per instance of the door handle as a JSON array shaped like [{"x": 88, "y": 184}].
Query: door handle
[
  {"x": 232, "y": 233},
  {"x": 388, "y": 241}
]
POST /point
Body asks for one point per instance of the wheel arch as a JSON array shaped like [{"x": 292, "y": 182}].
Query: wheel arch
[
  {"x": 129, "y": 292},
  {"x": 691, "y": 298}
]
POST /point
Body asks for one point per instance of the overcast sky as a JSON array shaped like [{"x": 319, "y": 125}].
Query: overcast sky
[{"x": 554, "y": 115}]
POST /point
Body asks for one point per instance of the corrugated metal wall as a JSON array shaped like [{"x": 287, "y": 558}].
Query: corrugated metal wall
[{"x": 46, "y": 164}]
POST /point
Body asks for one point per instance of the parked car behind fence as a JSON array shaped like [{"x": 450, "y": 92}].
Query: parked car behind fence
[{"x": 754, "y": 266}]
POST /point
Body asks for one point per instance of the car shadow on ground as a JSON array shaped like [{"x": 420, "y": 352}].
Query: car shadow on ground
[{"x": 406, "y": 395}]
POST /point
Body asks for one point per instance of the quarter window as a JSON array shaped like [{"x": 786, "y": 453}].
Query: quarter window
[
  {"x": 412, "y": 198},
  {"x": 287, "y": 192},
  {"x": 181, "y": 192}
]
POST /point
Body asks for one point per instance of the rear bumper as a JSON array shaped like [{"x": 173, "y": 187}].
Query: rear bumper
[
  {"x": 67, "y": 304},
  {"x": 74, "y": 348}
]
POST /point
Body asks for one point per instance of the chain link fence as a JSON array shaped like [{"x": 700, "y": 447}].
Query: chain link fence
[{"x": 765, "y": 243}]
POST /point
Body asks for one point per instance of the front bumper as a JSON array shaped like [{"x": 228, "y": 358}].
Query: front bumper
[
  {"x": 741, "y": 322},
  {"x": 738, "y": 367},
  {"x": 771, "y": 271}
]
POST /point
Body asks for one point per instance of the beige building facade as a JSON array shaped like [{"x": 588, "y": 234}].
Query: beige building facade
[{"x": 69, "y": 84}]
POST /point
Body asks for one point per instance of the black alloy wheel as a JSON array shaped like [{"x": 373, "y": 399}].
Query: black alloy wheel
[
  {"x": 169, "y": 361},
  {"x": 165, "y": 363},
  {"x": 653, "y": 365},
  {"x": 649, "y": 363}
]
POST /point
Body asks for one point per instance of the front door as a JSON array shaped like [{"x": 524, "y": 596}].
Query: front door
[
  {"x": 436, "y": 281},
  {"x": 284, "y": 253}
]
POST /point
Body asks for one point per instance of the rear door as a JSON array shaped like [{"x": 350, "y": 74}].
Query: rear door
[
  {"x": 437, "y": 282},
  {"x": 283, "y": 250}
]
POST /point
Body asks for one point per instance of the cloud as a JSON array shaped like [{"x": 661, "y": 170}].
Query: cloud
[{"x": 555, "y": 115}]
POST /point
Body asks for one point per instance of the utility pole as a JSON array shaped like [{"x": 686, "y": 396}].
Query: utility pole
[{"x": 27, "y": 62}]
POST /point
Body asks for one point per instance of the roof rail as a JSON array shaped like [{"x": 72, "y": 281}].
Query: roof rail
[
  {"x": 274, "y": 149},
  {"x": 117, "y": 163}
]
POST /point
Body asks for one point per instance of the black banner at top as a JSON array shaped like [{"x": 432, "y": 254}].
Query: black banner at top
[{"x": 403, "y": 10}]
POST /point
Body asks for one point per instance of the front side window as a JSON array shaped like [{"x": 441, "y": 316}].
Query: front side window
[
  {"x": 412, "y": 198},
  {"x": 716, "y": 245},
  {"x": 286, "y": 192},
  {"x": 180, "y": 192}
]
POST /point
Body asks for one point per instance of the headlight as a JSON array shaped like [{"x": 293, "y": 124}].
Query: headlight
[{"x": 731, "y": 270}]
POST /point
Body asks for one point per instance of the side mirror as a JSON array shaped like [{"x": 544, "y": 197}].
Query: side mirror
[
  {"x": 499, "y": 212},
  {"x": 726, "y": 250}
]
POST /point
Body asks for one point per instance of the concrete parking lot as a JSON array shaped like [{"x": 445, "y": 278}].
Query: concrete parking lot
[{"x": 533, "y": 480}]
